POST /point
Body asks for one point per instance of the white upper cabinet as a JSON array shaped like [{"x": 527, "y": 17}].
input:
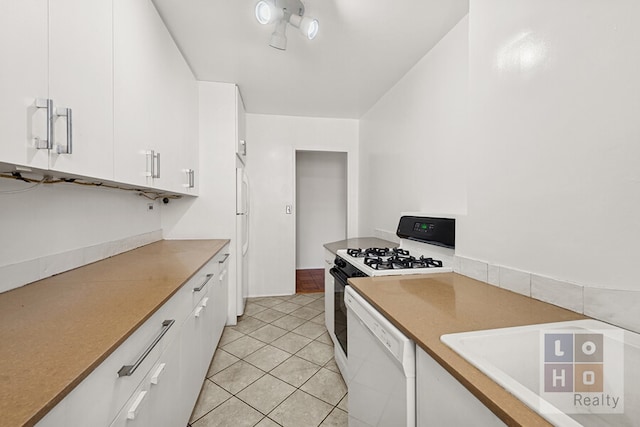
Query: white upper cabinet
[
  {"x": 60, "y": 51},
  {"x": 97, "y": 89},
  {"x": 23, "y": 79},
  {"x": 155, "y": 101},
  {"x": 81, "y": 80}
]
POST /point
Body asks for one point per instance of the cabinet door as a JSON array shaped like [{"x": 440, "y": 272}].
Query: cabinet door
[
  {"x": 153, "y": 402},
  {"x": 192, "y": 366},
  {"x": 182, "y": 144},
  {"x": 139, "y": 104},
  {"x": 80, "y": 78},
  {"x": 439, "y": 398},
  {"x": 328, "y": 292},
  {"x": 23, "y": 79},
  {"x": 155, "y": 100}
]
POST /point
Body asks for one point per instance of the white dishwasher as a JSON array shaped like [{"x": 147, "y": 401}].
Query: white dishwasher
[{"x": 382, "y": 368}]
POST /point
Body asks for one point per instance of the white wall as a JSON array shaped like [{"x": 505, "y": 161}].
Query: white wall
[
  {"x": 274, "y": 140},
  {"x": 413, "y": 140},
  {"x": 550, "y": 203},
  {"x": 555, "y": 110},
  {"x": 53, "y": 228},
  {"x": 321, "y": 204}
]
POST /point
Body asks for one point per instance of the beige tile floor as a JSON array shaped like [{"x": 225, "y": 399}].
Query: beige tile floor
[{"x": 274, "y": 368}]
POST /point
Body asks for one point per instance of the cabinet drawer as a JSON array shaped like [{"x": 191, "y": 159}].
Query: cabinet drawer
[{"x": 153, "y": 402}]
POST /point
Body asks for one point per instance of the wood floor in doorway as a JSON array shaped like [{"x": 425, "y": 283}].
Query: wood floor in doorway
[{"x": 310, "y": 280}]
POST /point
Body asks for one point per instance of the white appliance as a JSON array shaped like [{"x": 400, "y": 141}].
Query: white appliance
[
  {"x": 382, "y": 368},
  {"x": 426, "y": 247},
  {"x": 242, "y": 237}
]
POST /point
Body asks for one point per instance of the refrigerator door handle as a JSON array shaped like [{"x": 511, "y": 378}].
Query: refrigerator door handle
[{"x": 245, "y": 180}]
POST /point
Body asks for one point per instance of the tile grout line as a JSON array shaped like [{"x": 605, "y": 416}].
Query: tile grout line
[{"x": 290, "y": 355}]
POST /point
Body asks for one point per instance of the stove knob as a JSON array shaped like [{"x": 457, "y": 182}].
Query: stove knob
[{"x": 340, "y": 262}]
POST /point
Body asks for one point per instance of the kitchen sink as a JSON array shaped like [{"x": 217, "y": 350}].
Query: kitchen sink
[{"x": 592, "y": 369}]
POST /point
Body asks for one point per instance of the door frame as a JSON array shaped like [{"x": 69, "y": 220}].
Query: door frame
[{"x": 352, "y": 199}]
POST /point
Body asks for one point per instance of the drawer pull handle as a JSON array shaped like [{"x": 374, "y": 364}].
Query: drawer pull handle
[
  {"x": 206, "y": 280},
  {"x": 156, "y": 375},
  {"x": 223, "y": 260},
  {"x": 128, "y": 370},
  {"x": 135, "y": 406}
]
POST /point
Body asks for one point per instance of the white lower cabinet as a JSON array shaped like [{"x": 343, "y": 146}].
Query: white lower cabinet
[
  {"x": 328, "y": 291},
  {"x": 148, "y": 404},
  {"x": 443, "y": 401},
  {"x": 155, "y": 376}
]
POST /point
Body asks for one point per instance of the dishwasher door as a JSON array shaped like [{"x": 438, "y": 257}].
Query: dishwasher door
[{"x": 381, "y": 366}]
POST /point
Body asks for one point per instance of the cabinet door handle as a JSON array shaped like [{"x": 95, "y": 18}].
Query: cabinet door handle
[
  {"x": 135, "y": 406},
  {"x": 156, "y": 374},
  {"x": 48, "y": 104},
  {"x": 128, "y": 370},
  {"x": 205, "y": 301},
  {"x": 68, "y": 114},
  {"x": 157, "y": 166},
  {"x": 223, "y": 275},
  {"x": 206, "y": 280},
  {"x": 198, "y": 311},
  {"x": 223, "y": 260},
  {"x": 150, "y": 170}
]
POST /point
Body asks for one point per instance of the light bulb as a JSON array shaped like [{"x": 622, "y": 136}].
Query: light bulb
[
  {"x": 267, "y": 12},
  {"x": 308, "y": 26},
  {"x": 312, "y": 29}
]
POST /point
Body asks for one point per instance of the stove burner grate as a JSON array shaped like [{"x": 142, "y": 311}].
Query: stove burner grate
[{"x": 401, "y": 262}]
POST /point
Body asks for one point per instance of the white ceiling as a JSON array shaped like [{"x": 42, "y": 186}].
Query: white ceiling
[{"x": 363, "y": 48}]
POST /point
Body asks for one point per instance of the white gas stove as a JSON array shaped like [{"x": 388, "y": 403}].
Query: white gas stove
[{"x": 426, "y": 246}]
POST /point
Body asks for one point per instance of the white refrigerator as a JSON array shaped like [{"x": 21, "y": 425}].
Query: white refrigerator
[{"x": 242, "y": 237}]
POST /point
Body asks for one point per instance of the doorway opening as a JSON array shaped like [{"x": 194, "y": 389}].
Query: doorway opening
[{"x": 321, "y": 212}]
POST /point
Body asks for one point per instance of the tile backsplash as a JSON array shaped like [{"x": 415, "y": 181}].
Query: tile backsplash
[
  {"x": 20, "y": 274},
  {"x": 618, "y": 307}
]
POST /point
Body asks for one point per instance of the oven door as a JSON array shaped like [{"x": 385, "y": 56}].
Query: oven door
[{"x": 340, "y": 309}]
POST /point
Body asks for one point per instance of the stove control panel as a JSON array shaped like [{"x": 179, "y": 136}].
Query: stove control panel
[{"x": 435, "y": 231}]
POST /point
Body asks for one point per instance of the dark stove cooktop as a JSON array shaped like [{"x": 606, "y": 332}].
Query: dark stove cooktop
[
  {"x": 396, "y": 262},
  {"x": 392, "y": 259},
  {"x": 376, "y": 252}
]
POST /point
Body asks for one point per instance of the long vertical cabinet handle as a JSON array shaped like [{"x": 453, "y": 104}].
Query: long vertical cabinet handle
[
  {"x": 156, "y": 160},
  {"x": 48, "y": 104},
  {"x": 128, "y": 370},
  {"x": 150, "y": 163},
  {"x": 153, "y": 165},
  {"x": 68, "y": 113},
  {"x": 191, "y": 181}
]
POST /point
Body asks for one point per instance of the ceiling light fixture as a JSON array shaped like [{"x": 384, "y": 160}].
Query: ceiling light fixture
[{"x": 283, "y": 12}]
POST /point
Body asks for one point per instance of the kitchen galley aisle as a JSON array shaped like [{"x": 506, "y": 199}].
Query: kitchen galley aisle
[{"x": 275, "y": 367}]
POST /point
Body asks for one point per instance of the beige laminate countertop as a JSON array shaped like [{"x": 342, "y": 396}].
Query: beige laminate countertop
[
  {"x": 54, "y": 332},
  {"x": 359, "y": 242},
  {"x": 425, "y": 307}
]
